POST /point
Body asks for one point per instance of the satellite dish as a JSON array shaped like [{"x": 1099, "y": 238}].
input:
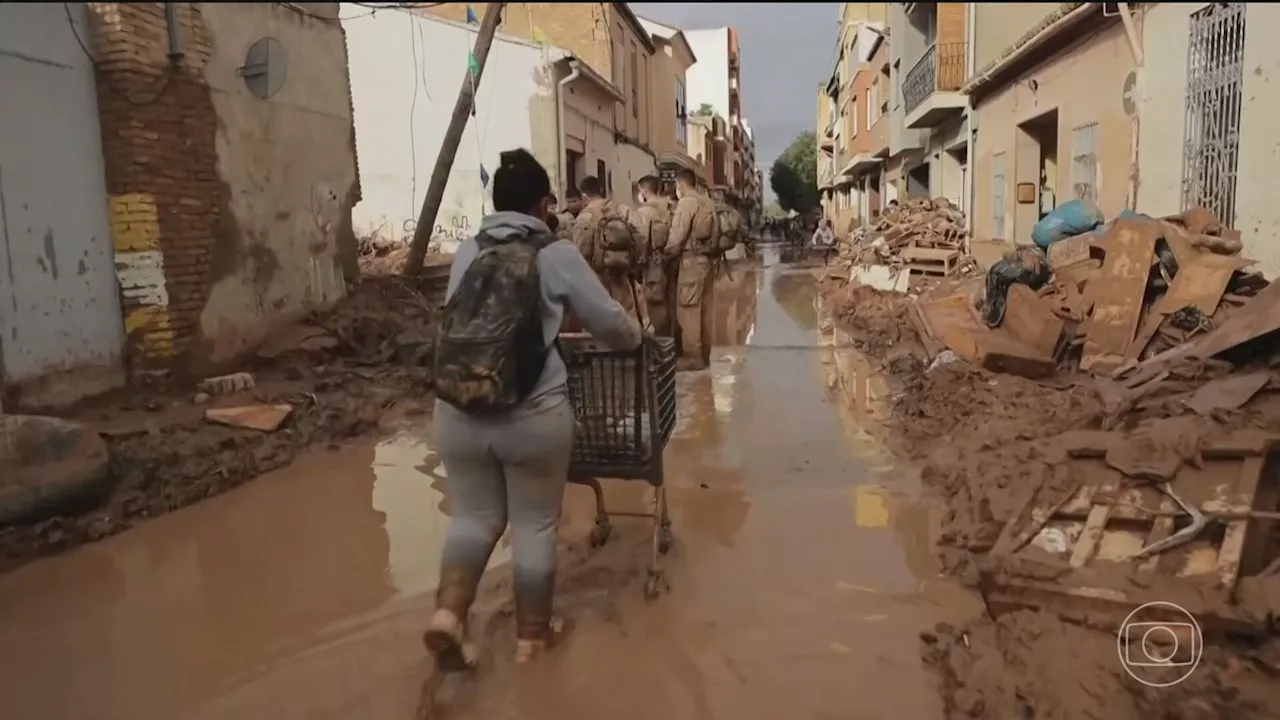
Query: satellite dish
[
  {"x": 264, "y": 67},
  {"x": 1129, "y": 97}
]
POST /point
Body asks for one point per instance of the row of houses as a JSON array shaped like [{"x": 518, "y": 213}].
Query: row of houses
[
  {"x": 177, "y": 179},
  {"x": 1010, "y": 109},
  {"x": 591, "y": 89}
]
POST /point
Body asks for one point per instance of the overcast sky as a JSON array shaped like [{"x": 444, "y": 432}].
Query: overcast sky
[{"x": 786, "y": 52}]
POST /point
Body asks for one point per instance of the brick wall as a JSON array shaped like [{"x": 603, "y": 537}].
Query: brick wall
[
  {"x": 580, "y": 28},
  {"x": 166, "y": 200}
]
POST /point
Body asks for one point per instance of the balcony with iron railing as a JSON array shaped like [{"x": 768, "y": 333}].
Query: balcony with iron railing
[{"x": 930, "y": 90}]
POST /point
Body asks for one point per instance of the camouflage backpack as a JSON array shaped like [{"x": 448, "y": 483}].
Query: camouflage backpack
[
  {"x": 730, "y": 226},
  {"x": 490, "y": 348},
  {"x": 614, "y": 241},
  {"x": 659, "y": 229}
]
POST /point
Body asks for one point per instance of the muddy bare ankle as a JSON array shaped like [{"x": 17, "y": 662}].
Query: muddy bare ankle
[{"x": 446, "y": 640}]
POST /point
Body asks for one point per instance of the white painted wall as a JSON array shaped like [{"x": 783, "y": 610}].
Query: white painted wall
[
  {"x": 405, "y": 75},
  {"x": 1162, "y": 134},
  {"x": 707, "y": 81}
]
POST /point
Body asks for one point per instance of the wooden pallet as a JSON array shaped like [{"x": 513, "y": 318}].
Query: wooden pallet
[
  {"x": 1090, "y": 503},
  {"x": 931, "y": 261}
]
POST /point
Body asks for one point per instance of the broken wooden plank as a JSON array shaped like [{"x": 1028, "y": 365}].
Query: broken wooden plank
[
  {"x": 1031, "y": 321},
  {"x": 1200, "y": 284},
  {"x": 1228, "y": 392},
  {"x": 265, "y": 418},
  {"x": 1117, "y": 291},
  {"x": 1259, "y": 316},
  {"x": 1071, "y": 251}
]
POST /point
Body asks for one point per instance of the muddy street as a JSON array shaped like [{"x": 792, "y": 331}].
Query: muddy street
[{"x": 801, "y": 578}]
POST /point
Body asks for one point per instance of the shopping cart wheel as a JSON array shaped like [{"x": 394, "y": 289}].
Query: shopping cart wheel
[
  {"x": 600, "y": 533},
  {"x": 665, "y": 539},
  {"x": 653, "y": 585}
]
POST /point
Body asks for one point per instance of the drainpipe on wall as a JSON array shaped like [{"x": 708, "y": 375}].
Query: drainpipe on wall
[
  {"x": 1134, "y": 35},
  {"x": 560, "y": 166},
  {"x": 971, "y": 134}
]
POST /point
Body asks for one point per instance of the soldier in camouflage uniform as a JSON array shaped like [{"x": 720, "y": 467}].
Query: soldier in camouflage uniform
[
  {"x": 694, "y": 240},
  {"x": 587, "y": 236},
  {"x": 652, "y": 222}
]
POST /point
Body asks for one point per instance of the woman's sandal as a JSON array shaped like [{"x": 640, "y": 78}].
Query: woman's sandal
[
  {"x": 446, "y": 639},
  {"x": 527, "y": 650}
]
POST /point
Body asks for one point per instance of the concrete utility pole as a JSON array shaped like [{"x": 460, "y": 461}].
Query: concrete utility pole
[{"x": 452, "y": 137}]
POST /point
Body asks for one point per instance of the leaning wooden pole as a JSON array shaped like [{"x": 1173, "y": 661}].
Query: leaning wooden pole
[{"x": 452, "y": 137}]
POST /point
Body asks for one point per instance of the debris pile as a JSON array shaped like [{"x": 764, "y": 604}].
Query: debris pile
[
  {"x": 336, "y": 375},
  {"x": 379, "y": 256},
  {"x": 920, "y": 236},
  {"x": 1125, "y": 300},
  {"x": 1102, "y": 415}
]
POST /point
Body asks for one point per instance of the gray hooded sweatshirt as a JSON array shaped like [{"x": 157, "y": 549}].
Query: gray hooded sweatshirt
[{"x": 567, "y": 281}]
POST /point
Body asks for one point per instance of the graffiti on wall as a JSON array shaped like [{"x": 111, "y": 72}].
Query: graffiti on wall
[
  {"x": 447, "y": 232},
  {"x": 135, "y": 232}
]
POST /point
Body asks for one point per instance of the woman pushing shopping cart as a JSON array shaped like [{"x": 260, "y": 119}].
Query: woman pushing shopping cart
[{"x": 507, "y": 397}]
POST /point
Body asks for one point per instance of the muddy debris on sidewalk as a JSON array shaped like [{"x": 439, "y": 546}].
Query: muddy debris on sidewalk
[
  {"x": 334, "y": 375},
  {"x": 1102, "y": 423},
  {"x": 919, "y": 237}
]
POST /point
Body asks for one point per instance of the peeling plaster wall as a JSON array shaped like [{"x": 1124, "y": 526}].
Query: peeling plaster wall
[
  {"x": 291, "y": 171},
  {"x": 60, "y": 326},
  {"x": 405, "y": 75},
  {"x": 229, "y": 212}
]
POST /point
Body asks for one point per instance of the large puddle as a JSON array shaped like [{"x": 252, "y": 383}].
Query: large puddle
[{"x": 801, "y": 578}]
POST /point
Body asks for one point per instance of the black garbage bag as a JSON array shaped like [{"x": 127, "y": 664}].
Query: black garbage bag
[{"x": 1026, "y": 265}]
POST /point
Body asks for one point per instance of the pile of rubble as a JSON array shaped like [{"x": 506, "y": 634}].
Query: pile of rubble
[
  {"x": 921, "y": 236},
  {"x": 1128, "y": 297},
  {"x": 1103, "y": 420}
]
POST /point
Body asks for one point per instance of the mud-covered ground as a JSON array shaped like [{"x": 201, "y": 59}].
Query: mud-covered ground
[
  {"x": 342, "y": 371},
  {"x": 980, "y": 438}
]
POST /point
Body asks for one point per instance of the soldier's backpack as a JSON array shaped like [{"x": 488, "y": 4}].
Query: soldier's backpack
[
  {"x": 730, "y": 226},
  {"x": 614, "y": 241},
  {"x": 490, "y": 349},
  {"x": 659, "y": 230}
]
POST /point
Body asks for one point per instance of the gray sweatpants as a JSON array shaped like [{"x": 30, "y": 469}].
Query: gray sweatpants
[{"x": 505, "y": 469}]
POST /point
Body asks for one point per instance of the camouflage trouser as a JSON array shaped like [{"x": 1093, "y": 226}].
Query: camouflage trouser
[
  {"x": 660, "y": 295},
  {"x": 693, "y": 311}
]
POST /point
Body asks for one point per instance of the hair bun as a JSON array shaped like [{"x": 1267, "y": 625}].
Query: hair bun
[{"x": 514, "y": 158}]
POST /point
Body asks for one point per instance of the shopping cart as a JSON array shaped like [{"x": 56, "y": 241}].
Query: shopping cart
[{"x": 625, "y": 406}]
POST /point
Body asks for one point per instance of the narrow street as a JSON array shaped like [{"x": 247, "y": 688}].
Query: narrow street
[{"x": 801, "y": 578}]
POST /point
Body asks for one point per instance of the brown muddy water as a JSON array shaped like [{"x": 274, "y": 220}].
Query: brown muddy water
[{"x": 800, "y": 580}]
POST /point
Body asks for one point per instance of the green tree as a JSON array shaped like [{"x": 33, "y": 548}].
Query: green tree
[
  {"x": 773, "y": 210},
  {"x": 794, "y": 175},
  {"x": 705, "y": 110}
]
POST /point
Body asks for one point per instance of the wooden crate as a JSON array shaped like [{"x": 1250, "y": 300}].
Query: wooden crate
[
  {"x": 931, "y": 261},
  {"x": 1092, "y": 505}
]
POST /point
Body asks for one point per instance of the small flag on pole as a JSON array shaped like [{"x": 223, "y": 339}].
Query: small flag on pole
[
  {"x": 473, "y": 65},
  {"x": 471, "y": 17},
  {"x": 539, "y": 37},
  {"x": 484, "y": 177}
]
